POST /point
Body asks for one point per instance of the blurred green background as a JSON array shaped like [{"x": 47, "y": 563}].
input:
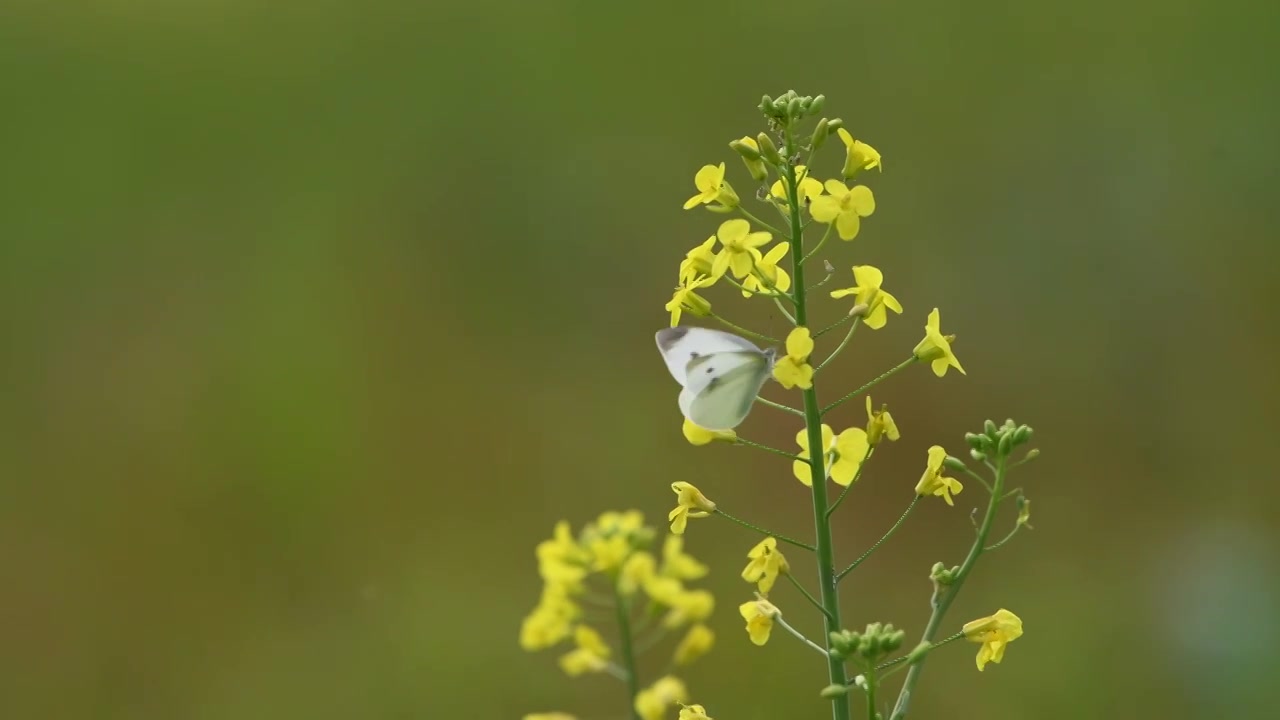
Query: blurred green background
[{"x": 317, "y": 317}]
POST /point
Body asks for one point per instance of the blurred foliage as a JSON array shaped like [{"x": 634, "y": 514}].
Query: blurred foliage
[{"x": 319, "y": 315}]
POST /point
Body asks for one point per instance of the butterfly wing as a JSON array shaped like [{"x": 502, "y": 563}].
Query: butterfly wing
[
  {"x": 722, "y": 387},
  {"x": 680, "y": 345}
]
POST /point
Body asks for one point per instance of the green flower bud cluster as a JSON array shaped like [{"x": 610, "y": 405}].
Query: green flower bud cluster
[
  {"x": 999, "y": 441},
  {"x": 877, "y": 641}
]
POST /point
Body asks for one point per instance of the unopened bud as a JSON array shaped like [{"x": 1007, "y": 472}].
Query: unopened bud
[
  {"x": 1032, "y": 454},
  {"x": 1022, "y": 434},
  {"x": 767, "y": 149},
  {"x": 834, "y": 691},
  {"x": 1006, "y": 443},
  {"x": 819, "y": 135},
  {"x": 976, "y": 441},
  {"x": 833, "y": 125},
  {"x": 978, "y": 455},
  {"x": 989, "y": 428},
  {"x": 954, "y": 463},
  {"x": 815, "y": 106}
]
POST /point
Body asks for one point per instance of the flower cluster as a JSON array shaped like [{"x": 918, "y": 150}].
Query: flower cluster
[
  {"x": 610, "y": 563},
  {"x": 723, "y": 374}
]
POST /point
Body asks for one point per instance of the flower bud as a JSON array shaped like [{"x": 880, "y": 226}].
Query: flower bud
[
  {"x": 976, "y": 441},
  {"x": 989, "y": 428},
  {"x": 1006, "y": 443},
  {"x": 978, "y": 455},
  {"x": 750, "y": 153},
  {"x": 954, "y": 463},
  {"x": 833, "y": 125},
  {"x": 767, "y": 149},
  {"x": 834, "y": 691},
  {"x": 815, "y": 106},
  {"x": 1032, "y": 454},
  {"x": 793, "y": 108},
  {"x": 1022, "y": 434},
  {"x": 819, "y": 135}
]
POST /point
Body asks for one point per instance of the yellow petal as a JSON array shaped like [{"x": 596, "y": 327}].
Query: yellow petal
[
  {"x": 825, "y": 208},
  {"x": 733, "y": 230},
  {"x": 799, "y": 344},
  {"x": 862, "y": 201},
  {"x": 845, "y": 137},
  {"x": 835, "y": 187},
  {"x": 847, "y": 224}
]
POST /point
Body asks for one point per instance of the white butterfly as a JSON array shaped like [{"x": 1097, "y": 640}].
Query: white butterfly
[{"x": 720, "y": 372}]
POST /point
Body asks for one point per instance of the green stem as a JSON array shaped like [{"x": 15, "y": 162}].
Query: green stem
[
  {"x": 872, "y": 681},
  {"x": 887, "y": 535},
  {"x": 762, "y": 531},
  {"x": 899, "y": 660},
  {"x": 760, "y": 222},
  {"x": 806, "y": 593},
  {"x": 821, "y": 242},
  {"x": 943, "y": 600},
  {"x": 883, "y": 376},
  {"x": 744, "y": 331},
  {"x": 813, "y": 423},
  {"x": 1003, "y": 540},
  {"x": 821, "y": 282},
  {"x": 779, "y": 406},
  {"x": 798, "y": 635},
  {"x": 833, "y": 326},
  {"x": 627, "y": 653},
  {"x": 847, "y": 337},
  {"x": 979, "y": 478},
  {"x": 766, "y": 448},
  {"x": 854, "y": 481}
]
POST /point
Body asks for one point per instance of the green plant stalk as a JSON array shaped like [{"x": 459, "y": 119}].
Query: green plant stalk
[
  {"x": 627, "y": 651},
  {"x": 942, "y": 600},
  {"x": 813, "y": 424},
  {"x": 872, "y": 682}
]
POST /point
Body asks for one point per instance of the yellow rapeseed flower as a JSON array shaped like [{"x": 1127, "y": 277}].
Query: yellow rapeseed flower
[
  {"x": 801, "y": 468},
  {"x": 880, "y": 424},
  {"x": 696, "y": 643},
  {"x": 697, "y": 263},
  {"x": 690, "y": 503},
  {"x": 755, "y": 166},
  {"x": 766, "y": 563},
  {"x": 551, "y": 621},
  {"x": 843, "y": 455},
  {"x": 689, "y": 606},
  {"x": 693, "y": 712},
  {"x": 549, "y": 716},
  {"x": 994, "y": 632},
  {"x": 591, "y": 655},
  {"x": 561, "y": 559},
  {"x": 867, "y": 292},
  {"x": 686, "y": 298},
  {"x": 844, "y": 206},
  {"x": 767, "y": 278},
  {"x": 793, "y": 370},
  {"x": 736, "y": 243},
  {"x": 807, "y": 189},
  {"x": 698, "y": 435},
  {"x": 652, "y": 702},
  {"x": 636, "y": 571},
  {"x": 664, "y": 591},
  {"x": 851, "y": 450},
  {"x": 759, "y": 615},
  {"x": 712, "y": 188},
  {"x": 935, "y": 348},
  {"x": 932, "y": 482},
  {"x": 677, "y": 563},
  {"x": 858, "y": 155}
]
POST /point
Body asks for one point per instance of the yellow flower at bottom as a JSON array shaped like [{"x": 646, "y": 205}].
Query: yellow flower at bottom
[
  {"x": 697, "y": 435},
  {"x": 759, "y": 615},
  {"x": 652, "y": 702},
  {"x": 550, "y": 716},
  {"x": 794, "y": 370},
  {"x": 932, "y": 482},
  {"x": 693, "y": 712},
  {"x": 690, "y": 503},
  {"x": 808, "y": 188},
  {"x": 935, "y": 348},
  {"x": 766, "y": 563},
  {"x": 696, "y": 643},
  {"x": 994, "y": 632}
]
